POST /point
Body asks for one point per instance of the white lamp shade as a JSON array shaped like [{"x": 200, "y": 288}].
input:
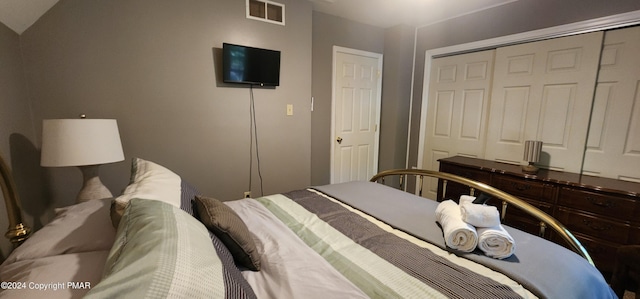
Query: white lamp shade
[{"x": 77, "y": 142}]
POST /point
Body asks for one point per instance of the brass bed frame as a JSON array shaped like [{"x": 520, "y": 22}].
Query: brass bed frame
[
  {"x": 17, "y": 232},
  {"x": 545, "y": 219}
]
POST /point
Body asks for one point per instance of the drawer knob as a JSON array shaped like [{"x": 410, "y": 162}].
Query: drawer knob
[
  {"x": 600, "y": 203},
  {"x": 595, "y": 226}
]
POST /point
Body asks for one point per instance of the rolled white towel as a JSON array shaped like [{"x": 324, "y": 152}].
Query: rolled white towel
[
  {"x": 467, "y": 199},
  {"x": 496, "y": 242},
  {"x": 458, "y": 234},
  {"x": 479, "y": 215}
]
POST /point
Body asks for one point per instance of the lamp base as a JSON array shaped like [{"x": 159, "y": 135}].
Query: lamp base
[
  {"x": 530, "y": 168},
  {"x": 92, "y": 187}
]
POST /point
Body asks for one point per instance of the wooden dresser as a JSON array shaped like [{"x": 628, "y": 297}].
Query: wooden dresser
[{"x": 602, "y": 213}]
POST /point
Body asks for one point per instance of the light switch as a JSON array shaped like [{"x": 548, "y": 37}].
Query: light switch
[{"x": 289, "y": 109}]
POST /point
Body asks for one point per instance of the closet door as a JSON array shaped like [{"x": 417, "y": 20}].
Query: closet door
[
  {"x": 543, "y": 91},
  {"x": 459, "y": 92},
  {"x": 613, "y": 147}
]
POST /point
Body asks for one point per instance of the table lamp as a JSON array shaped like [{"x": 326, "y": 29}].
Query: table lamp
[
  {"x": 85, "y": 143},
  {"x": 532, "y": 150}
]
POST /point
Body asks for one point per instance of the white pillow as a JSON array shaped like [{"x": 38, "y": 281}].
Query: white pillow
[
  {"x": 151, "y": 181},
  {"x": 78, "y": 228}
]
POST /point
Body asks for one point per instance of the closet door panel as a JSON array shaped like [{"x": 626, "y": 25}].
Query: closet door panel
[
  {"x": 613, "y": 147},
  {"x": 459, "y": 91},
  {"x": 514, "y": 111},
  {"x": 556, "y": 115},
  {"x": 543, "y": 91}
]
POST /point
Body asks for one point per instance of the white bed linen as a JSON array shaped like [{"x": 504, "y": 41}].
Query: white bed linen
[
  {"x": 290, "y": 269},
  {"x": 59, "y": 276}
]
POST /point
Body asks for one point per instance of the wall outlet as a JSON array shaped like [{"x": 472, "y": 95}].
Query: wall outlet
[{"x": 247, "y": 194}]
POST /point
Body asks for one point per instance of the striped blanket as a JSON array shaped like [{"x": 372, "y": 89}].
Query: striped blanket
[
  {"x": 381, "y": 262},
  {"x": 367, "y": 240}
]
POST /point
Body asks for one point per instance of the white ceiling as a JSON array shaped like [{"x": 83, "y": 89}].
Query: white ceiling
[
  {"x": 388, "y": 13},
  {"x": 20, "y": 14}
]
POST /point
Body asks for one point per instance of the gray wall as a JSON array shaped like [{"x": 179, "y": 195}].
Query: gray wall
[
  {"x": 396, "y": 96},
  {"x": 329, "y": 31},
  {"x": 516, "y": 17},
  {"x": 16, "y": 129},
  {"x": 155, "y": 66}
]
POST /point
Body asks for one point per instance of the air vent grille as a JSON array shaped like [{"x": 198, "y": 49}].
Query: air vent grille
[{"x": 267, "y": 11}]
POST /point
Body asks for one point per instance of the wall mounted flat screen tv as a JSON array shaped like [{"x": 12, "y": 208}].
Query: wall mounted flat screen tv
[{"x": 248, "y": 65}]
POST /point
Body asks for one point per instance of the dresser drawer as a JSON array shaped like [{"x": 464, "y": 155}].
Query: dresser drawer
[
  {"x": 520, "y": 219},
  {"x": 634, "y": 239},
  {"x": 618, "y": 207},
  {"x": 523, "y": 188},
  {"x": 524, "y": 224},
  {"x": 636, "y": 212},
  {"x": 454, "y": 190},
  {"x": 470, "y": 173},
  {"x": 597, "y": 227},
  {"x": 513, "y": 210}
]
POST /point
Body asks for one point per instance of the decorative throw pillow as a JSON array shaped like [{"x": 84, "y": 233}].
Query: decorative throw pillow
[{"x": 230, "y": 229}]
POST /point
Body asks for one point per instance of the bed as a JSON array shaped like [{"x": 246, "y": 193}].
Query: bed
[{"x": 161, "y": 238}]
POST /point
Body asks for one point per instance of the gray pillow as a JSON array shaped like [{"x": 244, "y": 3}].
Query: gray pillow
[{"x": 230, "y": 229}]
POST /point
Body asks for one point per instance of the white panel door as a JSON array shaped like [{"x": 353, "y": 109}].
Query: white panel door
[
  {"x": 613, "y": 147},
  {"x": 543, "y": 91},
  {"x": 459, "y": 93},
  {"x": 356, "y": 105}
]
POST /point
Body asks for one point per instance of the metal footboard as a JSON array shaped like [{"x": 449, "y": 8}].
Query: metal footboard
[{"x": 545, "y": 219}]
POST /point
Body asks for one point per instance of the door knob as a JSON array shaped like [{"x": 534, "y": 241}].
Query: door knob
[{"x": 339, "y": 140}]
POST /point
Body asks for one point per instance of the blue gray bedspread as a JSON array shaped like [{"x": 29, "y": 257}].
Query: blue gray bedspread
[{"x": 544, "y": 268}]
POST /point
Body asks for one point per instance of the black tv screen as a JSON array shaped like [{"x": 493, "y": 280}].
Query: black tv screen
[{"x": 248, "y": 65}]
